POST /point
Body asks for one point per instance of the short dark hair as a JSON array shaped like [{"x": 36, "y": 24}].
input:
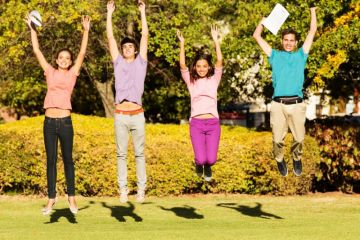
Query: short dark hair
[
  {"x": 66, "y": 50},
  {"x": 289, "y": 31},
  {"x": 129, "y": 40},
  {"x": 201, "y": 56}
]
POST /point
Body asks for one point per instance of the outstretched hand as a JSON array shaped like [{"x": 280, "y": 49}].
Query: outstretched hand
[
  {"x": 180, "y": 36},
  {"x": 313, "y": 9},
  {"x": 86, "y": 22},
  {"x": 110, "y": 6},
  {"x": 141, "y": 5},
  {"x": 215, "y": 33},
  {"x": 262, "y": 21},
  {"x": 27, "y": 20}
]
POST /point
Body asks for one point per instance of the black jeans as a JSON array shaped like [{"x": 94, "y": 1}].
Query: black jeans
[{"x": 59, "y": 129}]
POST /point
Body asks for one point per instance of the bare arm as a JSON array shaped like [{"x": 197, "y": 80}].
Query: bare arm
[
  {"x": 84, "y": 42},
  {"x": 313, "y": 26},
  {"x": 215, "y": 35},
  {"x": 36, "y": 48},
  {"x": 182, "y": 50},
  {"x": 261, "y": 42},
  {"x": 114, "y": 51},
  {"x": 144, "y": 31}
]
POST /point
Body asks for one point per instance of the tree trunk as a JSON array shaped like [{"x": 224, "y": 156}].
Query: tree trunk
[
  {"x": 8, "y": 114},
  {"x": 342, "y": 105},
  {"x": 106, "y": 93},
  {"x": 356, "y": 100},
  {"x": 107, "y": 97}
]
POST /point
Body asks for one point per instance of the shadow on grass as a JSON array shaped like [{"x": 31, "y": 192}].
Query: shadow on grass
[
  {"x": 65, "y": 212},
  {"x": 249, "y": 211},
  {"x": 187, "y": 212},
  {"x": 119, "y": 212}
]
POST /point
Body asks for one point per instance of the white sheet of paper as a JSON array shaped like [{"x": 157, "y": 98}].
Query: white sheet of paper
[{"x": 276, "y": 18}]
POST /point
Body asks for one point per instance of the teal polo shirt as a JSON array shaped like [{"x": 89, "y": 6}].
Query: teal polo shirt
[{"x": 288, "y": 72}]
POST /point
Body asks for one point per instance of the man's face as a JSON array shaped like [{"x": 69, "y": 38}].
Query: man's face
[
  {"x": 128, "y": 50},
  {"x": 289, "y": 42}
]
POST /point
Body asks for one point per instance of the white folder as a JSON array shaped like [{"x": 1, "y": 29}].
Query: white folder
[{"x": 276, "y": 18}]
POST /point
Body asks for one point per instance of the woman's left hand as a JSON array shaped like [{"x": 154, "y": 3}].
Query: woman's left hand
[
  {"x": 215, "y": 33},
  {"x": 86, "y": 22}
]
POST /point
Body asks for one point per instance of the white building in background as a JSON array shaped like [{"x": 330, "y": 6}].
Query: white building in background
[{"x": 314, "y": 109}]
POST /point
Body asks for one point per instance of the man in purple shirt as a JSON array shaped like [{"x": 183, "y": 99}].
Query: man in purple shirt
[{"x": 130, "y": 71}]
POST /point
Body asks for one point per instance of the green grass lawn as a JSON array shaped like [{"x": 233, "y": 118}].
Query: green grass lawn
[{"x": 319, "y": 216}]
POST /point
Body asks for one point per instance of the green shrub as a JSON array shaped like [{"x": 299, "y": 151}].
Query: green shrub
[
  {"x": 339, "y": 166},
  {"x": 245, "y": 163}
]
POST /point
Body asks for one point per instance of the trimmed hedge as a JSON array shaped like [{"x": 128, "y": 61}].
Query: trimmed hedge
[{"x": 245, "y": 163}]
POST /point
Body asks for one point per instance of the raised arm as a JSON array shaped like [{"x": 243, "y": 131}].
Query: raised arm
[
  {"x": 144, "y": 31},
  {"x": 313, "y": 26},
  {"x": 182, "y": 50},
  {"x": 35, "y": 44},
  {"x": 114, "y": 51},
  {"x": 215, "y": 35},
  {"x": 261, "y": 42},
  {"x": 80, "y": 57}
]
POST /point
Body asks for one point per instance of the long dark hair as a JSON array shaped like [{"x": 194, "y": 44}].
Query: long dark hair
[
  {"x": 66, "y": 50},
  {"x": 201, "y": 56}
]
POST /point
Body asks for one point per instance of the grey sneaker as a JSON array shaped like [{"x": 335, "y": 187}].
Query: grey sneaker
[
  {"x": 282, "y": 168},
  {"x": 199, "y": 169},
  {"x": 297, "y": 167},
  {"x": 207, "y": 173},
  {"x": 124, "y": 195},
  {"x": 140, "y": 196}
]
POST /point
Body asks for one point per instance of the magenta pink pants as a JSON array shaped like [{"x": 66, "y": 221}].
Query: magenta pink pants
[{"x": 205, "y": 137}]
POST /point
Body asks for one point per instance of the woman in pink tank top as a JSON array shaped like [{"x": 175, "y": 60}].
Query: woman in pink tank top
[
  {"x": 57, "y": 124},
  {"x": 202, "y": 82}
]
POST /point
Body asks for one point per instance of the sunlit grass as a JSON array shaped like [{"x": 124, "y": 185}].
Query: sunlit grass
[{"x": 330, "y": 216}]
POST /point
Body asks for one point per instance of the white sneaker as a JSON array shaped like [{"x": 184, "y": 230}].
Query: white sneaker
[
  {"x": 140, "y": 196},
  {"x": 207, "y": 173},
  {"x": 124, "y": 195}
]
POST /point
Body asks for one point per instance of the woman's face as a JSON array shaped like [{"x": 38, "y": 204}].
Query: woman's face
[
  {"x": 64, "y": 60},
  {"x": 202, "y": 68}
]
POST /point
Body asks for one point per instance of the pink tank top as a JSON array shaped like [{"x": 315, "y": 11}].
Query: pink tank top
[{"x": 59, "y": 88}]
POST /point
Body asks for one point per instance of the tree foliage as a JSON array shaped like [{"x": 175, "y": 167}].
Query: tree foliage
[
  {"x": 338, "y": 65},
  {"x": 246, "y": 73}
]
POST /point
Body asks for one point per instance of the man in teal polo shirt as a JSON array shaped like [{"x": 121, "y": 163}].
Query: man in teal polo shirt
[{"x": 288, "y": 108}]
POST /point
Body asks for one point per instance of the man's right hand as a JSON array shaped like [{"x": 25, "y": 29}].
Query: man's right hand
[{"x": 110, "y": 7}]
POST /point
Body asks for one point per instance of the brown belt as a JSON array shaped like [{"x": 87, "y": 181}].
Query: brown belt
[{"x": 131, "y": 112}]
